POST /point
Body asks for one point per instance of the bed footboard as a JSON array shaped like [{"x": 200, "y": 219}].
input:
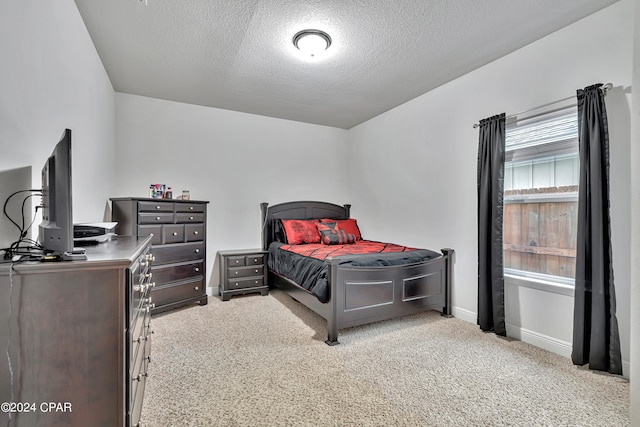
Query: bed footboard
[{"x": 361, "y": 295}]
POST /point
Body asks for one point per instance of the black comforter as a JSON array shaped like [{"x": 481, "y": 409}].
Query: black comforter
[{"x": 311, "y": 273}]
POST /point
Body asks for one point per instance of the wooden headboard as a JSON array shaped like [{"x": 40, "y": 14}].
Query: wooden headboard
[{"x": 297, "y": 210}]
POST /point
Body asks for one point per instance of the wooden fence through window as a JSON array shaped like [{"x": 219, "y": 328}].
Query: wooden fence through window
[{"x": 541, "y": 237}]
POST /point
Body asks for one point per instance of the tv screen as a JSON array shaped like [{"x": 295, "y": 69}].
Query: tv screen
[{"x": 56, "y": 228}]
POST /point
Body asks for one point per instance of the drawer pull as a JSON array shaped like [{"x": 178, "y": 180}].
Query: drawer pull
[
  {"x": 237, "y": 261},
  {"x": 195, "y": 232},
  {"x": 196, "y": 269},
  {"x": 255, "y": 260},
  {"x": 197, "y": 251},
  {"x": 191, "y": 218},
  {"x": 190, "y": 208},
  {"x": 257, "y": 271},
  {"x": 140, "y": 376},
  {"x": 175, "y": 233},
  {"x": 195, "y": 289},
  {"x": 157, "y": 218},
  {"x": 236, "y": 272},
  {"x": 236, "y": 284}
]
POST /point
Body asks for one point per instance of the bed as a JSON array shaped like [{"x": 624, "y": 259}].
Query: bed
[{"x": 357, "y": 293}]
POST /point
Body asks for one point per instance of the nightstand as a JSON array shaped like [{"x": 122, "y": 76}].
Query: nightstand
[{"x": 243, "y": 271}]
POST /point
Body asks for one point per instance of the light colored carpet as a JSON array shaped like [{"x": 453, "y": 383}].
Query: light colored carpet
[{"x": 262, "y": 361}]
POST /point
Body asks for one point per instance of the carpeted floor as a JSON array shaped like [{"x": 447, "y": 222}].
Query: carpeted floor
[{"x": 262, "y": 361}]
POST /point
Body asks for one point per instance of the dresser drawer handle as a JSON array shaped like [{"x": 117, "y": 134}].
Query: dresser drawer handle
[
  {"x": 195, "y": 289},
  {"x": 236, "y": 284},
  {"x": 191, "y": 218},
  {"x": 190, "y": 208},
  {"x": 257, "y": 271},
  {"x": 237, "y": 261},
  {"x": 255, "y": 260},
  {"x": 175, "y": 233},
  {"x": 157, "y": 206},
  {"x": 197, "y": 251},
  {"x": 196, "y": 269},
  {"x": 236, "y": 272},
  {"x": 195, "y": 232},
  {"x": 157, "y": 218}
]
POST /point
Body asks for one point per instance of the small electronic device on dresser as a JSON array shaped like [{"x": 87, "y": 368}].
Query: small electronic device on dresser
[
  {"x": 243, "y": 271},
  {"x": 178, "y": 245}
]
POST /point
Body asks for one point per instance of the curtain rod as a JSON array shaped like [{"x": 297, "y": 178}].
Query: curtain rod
[{"x": 605, "y": 88}]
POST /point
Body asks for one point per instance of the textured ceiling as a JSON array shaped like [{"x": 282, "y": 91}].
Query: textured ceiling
[{"x": 238, "y": 54}]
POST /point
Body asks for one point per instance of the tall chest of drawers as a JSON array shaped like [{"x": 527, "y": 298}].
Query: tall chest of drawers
[{"x": 178, "y": 245}]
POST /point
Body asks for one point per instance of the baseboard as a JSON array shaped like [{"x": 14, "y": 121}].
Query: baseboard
[
  {"x": 537, "y": 339},
  {"x": 551, "y": 344},
  {"x": 466, "y": 315}
]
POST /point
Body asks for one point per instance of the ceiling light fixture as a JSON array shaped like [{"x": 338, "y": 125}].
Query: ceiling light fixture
[{"x": 312, "y": 42}]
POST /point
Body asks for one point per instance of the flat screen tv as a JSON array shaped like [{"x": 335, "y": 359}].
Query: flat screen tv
[{"x": 56, "y": 229}]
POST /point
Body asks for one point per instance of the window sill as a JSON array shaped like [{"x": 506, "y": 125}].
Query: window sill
[{"x": 540, "y": 284}]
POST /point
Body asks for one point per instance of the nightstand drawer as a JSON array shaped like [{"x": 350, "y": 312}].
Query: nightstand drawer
[
  {"x": 194, "y": 232},
  {"x": 155, "y": 218},
  {"x": 189, "y": 217},
  {"x": 175, "y": 272},
  {"x": 178, "y": 291},
  {"x": 257, "y": 259},
  {"x": 236, "y": 272},
  {"x": 173, "y": 233},
  {"x": 235, "y": 261},
  {"x": 245, "y": 283}
]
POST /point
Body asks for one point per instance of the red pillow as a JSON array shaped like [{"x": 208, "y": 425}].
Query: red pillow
[
  {"x": 299, "y": 231},
  {"x": 348, "y": 225}
]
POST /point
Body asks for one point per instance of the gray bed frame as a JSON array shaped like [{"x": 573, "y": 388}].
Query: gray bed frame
[{"x": 361, "y": 295}]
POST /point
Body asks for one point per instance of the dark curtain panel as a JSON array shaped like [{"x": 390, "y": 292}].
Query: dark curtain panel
[
  {"x": 490, "y": 210},
  {"x": 595, "y": 328}
]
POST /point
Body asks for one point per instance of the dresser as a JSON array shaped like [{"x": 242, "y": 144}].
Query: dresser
[
  {"x": 178, "y": 245},
  {"x": 78, "y": 334},
  {"x": 243, "y": 271}
]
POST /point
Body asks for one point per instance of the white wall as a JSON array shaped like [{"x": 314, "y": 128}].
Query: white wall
[
  {"x": 51, "y": 78},
  {"x": 414, "y": 168},
  {"x": 635, "y": 228},
  {"x": 234, "y": 160}
]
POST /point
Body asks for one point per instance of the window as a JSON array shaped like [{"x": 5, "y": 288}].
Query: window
[{"x": 541, "y": 197}]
